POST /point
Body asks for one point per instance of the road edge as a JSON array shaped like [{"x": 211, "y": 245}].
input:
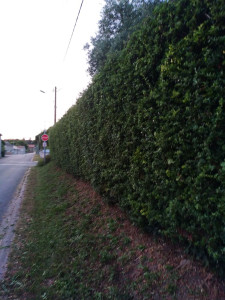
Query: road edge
[{"x": 8, "y": 224}]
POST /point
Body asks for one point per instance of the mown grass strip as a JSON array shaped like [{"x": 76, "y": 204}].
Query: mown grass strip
[
  {"x": 71, "y": 245},
  {"x": 61, "y": 255}
]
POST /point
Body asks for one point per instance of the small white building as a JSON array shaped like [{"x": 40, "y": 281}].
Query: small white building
[
  {"x": 19, "y": 149},
  {"x": 8, "y": 147}
]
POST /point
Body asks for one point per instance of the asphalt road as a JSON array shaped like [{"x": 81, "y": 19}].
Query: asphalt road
[{"x": 12, "y": 170}]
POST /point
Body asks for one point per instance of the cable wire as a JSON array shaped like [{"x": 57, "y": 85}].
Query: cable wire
[{"x": 73, "y": 29}]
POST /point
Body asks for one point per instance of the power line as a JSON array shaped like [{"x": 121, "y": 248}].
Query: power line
[{"x": 73, "y": 29}]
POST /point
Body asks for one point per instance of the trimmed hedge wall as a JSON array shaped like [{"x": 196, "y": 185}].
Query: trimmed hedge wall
[{"x": 149, "y": 132}]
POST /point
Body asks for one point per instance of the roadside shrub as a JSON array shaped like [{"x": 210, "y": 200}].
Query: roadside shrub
[
  {"x": 149, "y": 132},
  {"x": 41, "y": 161},
  {"x": 2, "y": 148}
]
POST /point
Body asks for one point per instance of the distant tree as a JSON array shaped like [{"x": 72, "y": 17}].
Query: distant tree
[
  {"x": 3, "y": 148},
  {"x": 119, "y": 20}
]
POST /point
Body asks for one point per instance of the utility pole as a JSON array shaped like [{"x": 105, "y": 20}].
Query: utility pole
[{"x": 55, "y": 104}]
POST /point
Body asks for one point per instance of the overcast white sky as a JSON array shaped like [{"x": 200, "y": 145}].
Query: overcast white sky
[{"x": 34, "y": 35}]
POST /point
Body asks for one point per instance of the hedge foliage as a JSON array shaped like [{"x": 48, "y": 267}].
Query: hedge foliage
[{"x": 149, "y": 132}]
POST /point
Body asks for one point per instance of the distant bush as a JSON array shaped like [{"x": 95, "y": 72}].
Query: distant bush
[
  {"x": 42, "y": 162},
  {"x": 2, "y": 148},
  {"x": 149, "y": 132}
]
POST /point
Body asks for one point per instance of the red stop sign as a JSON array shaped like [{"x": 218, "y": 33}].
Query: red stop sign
[{"x": 44, "y": 137}]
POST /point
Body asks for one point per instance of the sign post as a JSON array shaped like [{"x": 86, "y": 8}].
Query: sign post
[{"x": 44, "y": 138}]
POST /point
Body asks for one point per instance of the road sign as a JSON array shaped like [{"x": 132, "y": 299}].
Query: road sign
[
  {"x": 44, "y": 144},
  {"x": 44, "y": 137}
]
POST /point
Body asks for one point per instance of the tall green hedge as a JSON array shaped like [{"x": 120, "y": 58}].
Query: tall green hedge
[{"x": 149, "y": 132}]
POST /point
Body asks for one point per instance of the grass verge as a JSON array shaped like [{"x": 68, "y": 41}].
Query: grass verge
[{"x": 71, "y": 245}]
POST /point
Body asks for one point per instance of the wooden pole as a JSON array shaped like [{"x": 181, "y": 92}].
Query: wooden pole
[{"x": 55, "y": 106}]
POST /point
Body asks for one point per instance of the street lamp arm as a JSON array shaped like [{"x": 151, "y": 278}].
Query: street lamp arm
[{"x": 55, "y": 103}]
